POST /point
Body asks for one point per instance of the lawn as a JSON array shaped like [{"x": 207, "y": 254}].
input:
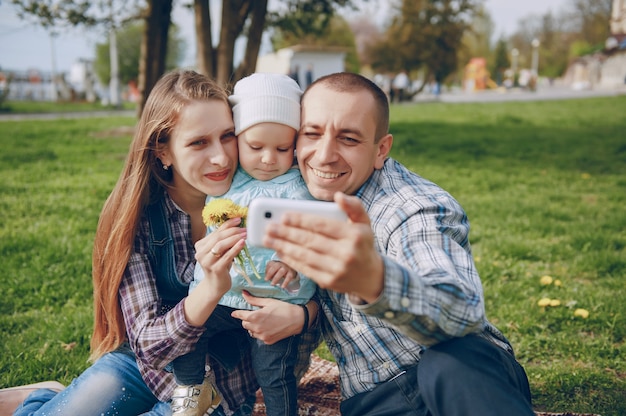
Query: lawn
[{"x": 543, "y": 183}]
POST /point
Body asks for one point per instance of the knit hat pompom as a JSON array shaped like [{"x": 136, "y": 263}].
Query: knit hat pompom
[{"x": 265, "y": 98}]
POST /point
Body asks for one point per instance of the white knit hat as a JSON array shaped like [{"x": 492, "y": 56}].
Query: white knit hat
[{"x": 266, "y": 98}]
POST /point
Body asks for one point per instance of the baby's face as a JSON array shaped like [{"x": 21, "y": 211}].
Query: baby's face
[{"x": 266, "y": 150}]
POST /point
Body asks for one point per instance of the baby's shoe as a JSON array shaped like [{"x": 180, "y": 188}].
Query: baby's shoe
[{"x": 196, "y": 399}]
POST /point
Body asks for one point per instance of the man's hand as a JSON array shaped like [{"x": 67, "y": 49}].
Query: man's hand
[{"x": 337, "y": 255}]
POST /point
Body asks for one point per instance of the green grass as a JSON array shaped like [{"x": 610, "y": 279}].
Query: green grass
[
  {"x": 43, "y": 107},
  {"x": 543, "y": 183}
]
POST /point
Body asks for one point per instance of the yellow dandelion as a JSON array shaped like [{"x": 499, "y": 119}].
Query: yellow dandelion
[
  {"x": 585, "y": 175},
  {"x": 220, "y": 210},
  {"x": 543, "y": 302},
  {"x": 555, "y": 302},
  {"x": 582, "y": 313},
  {"x": 557, "y": 282},
  {"x": 545, "y": 280}
]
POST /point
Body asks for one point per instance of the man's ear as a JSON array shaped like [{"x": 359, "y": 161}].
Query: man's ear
[{"x": 384, "y": 147}]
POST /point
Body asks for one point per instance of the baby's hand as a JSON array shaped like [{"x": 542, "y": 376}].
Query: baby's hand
[{"x": 279, "y": 274}]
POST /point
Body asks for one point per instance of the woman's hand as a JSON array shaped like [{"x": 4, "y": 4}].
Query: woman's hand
[
  {"x": 275, "y": 320},
  {"x": 215, "y": 254}
]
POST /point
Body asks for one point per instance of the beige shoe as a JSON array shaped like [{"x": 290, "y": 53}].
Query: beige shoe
[
  {"x": 12, "y": 397},
  {"x": 195, "y": 400}
]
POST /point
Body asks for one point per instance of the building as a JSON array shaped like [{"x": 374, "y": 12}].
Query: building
[
  {"x": 304, "y": 63},
  {"x": 605, "y": 69}
]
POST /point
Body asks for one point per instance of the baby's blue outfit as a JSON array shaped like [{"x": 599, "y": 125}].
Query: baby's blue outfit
[{"x": 243, "y": 190}]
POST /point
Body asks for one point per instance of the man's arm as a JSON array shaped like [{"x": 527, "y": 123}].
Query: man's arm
[{"x": 425, "y": 284}]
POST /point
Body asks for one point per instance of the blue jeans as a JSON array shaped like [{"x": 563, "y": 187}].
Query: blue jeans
[
  {"x": 463, "y": 376},
  {"x": 112, "y": 385}
]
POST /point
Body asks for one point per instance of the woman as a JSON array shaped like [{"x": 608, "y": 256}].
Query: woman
[{"x": 184, "y": 148}]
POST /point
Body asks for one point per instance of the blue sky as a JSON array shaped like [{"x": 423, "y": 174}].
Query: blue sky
[{"x": 24, "y": 46}]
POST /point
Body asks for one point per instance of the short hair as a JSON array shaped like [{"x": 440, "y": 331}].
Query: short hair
[{"x": 351, "y": 82}]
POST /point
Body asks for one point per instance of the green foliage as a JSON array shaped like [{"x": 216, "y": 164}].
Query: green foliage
[
  {"x": 129, "y": 39},
  {"x": 581, "y": 48},
  {"x": 501, "y": 60},
  {"x": 424, "y": 34},
  {"x": 476, "y": 41},
  {"x": 542, "y": 183},
  {"x": 4, "y": 91},
  {"x": 579, "y": 29},
  {"x": 54, "y": 13}
]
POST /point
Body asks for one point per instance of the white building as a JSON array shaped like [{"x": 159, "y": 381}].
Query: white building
[{"x": 299, "y": 60}]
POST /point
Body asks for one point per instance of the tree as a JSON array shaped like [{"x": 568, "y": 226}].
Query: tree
[
  {"x": 240, "y": 19},
  {"x": 247, "y": 20},
  {"x": 501, "y": 60},
  {"x": 425, "y": 34},
  {"x": 591, "y": 19},
  {"x": 129, "y": 43},
  {"x": 476, "y": 40},
  {"x": 553, "y": 43},
  {"x": 153, "y": 47},
  {"x": 366, "y": 33},
  {"x": 581, "y": 28},
  {"x": 110, "y": 14}
]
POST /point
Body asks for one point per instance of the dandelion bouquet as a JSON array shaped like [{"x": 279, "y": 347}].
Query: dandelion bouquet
[{"x": 220, "y": 210}]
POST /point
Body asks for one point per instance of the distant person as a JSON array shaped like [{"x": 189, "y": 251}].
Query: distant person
[
  {"x": 400, "y": 85},
  {"x": 308, "y": 75},
  {"x": 295, "y": 73}
]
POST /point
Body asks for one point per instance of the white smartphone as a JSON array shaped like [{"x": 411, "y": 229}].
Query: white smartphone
[{"x": 262, "y": 211}]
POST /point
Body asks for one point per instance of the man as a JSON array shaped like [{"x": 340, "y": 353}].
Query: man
[{"x": 403, "y": 307}]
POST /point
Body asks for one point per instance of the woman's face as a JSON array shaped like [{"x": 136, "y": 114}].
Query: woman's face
[{"x": 202, "y": 150}]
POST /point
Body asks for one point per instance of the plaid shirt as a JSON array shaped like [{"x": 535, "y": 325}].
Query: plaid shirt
[
  {"x": 432, "y": 291},
  {"x": 156, "y": 339}
]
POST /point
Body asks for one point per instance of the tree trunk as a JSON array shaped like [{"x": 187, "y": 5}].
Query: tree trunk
[
  {"x": 234, "y": 13},
  {"x": 153, "y": 47},
  {"x": 253, "y": 45},
  {"x": 205, "y": 54}
]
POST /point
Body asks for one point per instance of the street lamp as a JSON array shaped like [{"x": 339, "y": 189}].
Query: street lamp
[
  {"x": 535, "y": 57},
  {"x": 514, "y": 55},
  {"x": 53, "y": 74}
]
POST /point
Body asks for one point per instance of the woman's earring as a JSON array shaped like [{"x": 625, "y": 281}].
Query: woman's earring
[{"x": 165, "y": 167}]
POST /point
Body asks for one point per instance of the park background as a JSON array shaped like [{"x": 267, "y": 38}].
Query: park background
[{"x": 542, "y": 181}]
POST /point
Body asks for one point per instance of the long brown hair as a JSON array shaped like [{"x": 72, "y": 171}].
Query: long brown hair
[{"x": 142, "y": 180}]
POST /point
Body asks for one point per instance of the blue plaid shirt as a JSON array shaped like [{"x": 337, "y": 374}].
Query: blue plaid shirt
[{"x": 432, "y": 291}]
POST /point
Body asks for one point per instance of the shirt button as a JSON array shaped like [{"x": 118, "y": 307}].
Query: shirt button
[
  {"x": 405, "y": 302},
  {"x": 390, "y": 315},
  {"x": 386, "y": 365}
]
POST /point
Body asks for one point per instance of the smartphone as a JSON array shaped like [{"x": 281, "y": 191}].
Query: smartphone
[{"x": 262, "y": 211}]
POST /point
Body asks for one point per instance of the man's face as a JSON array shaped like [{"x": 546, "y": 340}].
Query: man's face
[{"x": 335, "y": 146}]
